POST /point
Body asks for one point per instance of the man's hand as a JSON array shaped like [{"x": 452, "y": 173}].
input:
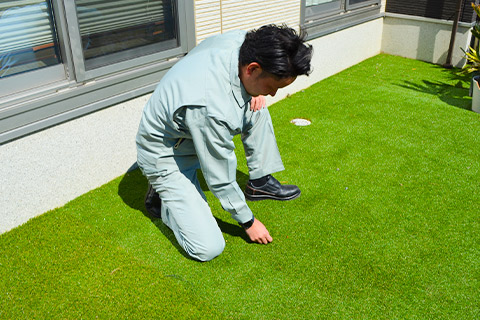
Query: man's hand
[
  {"x": 258, "y": 233},
  {"x": 257, "y": 103}
]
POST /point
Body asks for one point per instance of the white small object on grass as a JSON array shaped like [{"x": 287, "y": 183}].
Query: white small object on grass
[{"x": 301, "y": 122}]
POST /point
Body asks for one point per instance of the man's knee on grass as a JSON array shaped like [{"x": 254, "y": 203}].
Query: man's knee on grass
[{"x": 207, "y": 250}]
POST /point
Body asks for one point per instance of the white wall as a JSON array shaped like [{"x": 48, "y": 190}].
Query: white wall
[
  {"x": 423, "y": 38},
  {"x": 218, "y": 16},
  {"x": 332, "y": 53},
  {"x": 338, "y": 51}
]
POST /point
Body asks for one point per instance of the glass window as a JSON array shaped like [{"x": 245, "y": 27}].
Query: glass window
[
  {"x": 28, "y": 38},
  {"x": 112, "y": 31},
  {"x": 317, "y": 2},
  {"x": 52, "y": 52},
  {"x": 352, "y": 4},
  {"x": 321, "y": 7},
  {"x": 321, "y": 17}
]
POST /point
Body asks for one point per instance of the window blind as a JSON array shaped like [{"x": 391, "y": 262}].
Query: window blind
[
  {"x": 440, "y": 9},
  {"x": 24, "y": 25},
  {"x": 98, "y": 16}
]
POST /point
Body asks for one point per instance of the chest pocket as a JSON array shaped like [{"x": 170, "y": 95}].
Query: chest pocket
[{"x": 237, "y": 116}]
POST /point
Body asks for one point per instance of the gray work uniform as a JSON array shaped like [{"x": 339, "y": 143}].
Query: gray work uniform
[{"x": 189, "y": 124}]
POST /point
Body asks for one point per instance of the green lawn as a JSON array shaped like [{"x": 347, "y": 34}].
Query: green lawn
[{"x": 387, "y": 227}]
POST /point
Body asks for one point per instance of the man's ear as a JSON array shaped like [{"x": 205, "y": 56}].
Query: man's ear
[{"x": 253, "y": 67}]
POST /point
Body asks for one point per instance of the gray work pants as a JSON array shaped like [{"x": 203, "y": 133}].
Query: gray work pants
[{"x": 184, "y": 207}]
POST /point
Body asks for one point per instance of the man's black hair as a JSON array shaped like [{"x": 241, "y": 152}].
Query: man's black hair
[{"x": 279, "y": 50}]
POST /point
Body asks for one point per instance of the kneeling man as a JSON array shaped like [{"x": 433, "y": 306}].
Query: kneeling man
[{"x": 212, "y": 94}]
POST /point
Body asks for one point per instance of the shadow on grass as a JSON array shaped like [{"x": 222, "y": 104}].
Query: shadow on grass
[
  {"x": 132, "y": 189},
  {"x": 454, "y": 92}
]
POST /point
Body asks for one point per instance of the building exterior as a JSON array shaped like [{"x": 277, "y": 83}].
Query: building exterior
[{"x": 75, "y": 75}]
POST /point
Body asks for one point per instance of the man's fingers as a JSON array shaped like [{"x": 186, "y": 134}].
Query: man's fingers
[
  {"x": 265, "y": 240},
  {"x": 262, "y": 241},
  {"x": 257, "y": 103},
  {"x": 258, "y": 233}
]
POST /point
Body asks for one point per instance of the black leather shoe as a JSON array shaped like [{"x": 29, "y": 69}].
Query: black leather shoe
[
  {"x": 271, "y": 190},
  {"x": 153, "y": 203}
]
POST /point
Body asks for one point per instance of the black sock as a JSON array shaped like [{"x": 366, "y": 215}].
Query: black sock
[{"x": 260, "y": 182}]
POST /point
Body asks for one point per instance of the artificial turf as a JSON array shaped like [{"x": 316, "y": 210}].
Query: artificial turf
[{"x": 387, "y": 227}]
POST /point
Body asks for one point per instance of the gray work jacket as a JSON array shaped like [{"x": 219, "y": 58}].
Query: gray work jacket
[{"x": 207, "y": 81}]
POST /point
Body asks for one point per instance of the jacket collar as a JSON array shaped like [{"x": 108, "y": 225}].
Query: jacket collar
[{"x": 238, "y": 90}]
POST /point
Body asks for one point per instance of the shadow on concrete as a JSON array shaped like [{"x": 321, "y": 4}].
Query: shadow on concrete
[{"x": 132, "y": 189}]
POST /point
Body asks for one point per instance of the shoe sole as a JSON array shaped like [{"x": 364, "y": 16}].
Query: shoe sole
[{"x": 259, "y": 197}]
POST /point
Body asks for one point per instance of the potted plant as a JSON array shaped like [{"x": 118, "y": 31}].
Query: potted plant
[{"x": 473, "y": 64}]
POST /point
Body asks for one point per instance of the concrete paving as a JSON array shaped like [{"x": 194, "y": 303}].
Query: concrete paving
[{"x": 46, "y": 170}]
